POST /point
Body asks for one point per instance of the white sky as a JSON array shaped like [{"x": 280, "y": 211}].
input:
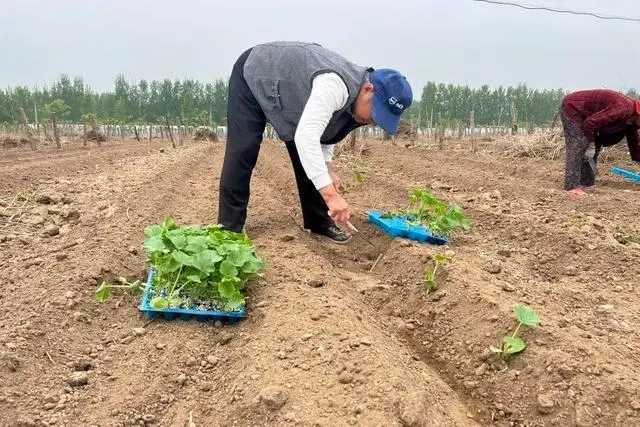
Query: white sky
[{"x": 450, "y": 41}]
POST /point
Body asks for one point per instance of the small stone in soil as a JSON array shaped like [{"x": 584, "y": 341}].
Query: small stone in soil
[
  {"x": 316, "y": 283},
  {"x": 212, "y": 360},
  {"x": 545, "y": 404},
  {"x": 139, "y": 331},
  {"x": 78, "y": 379},
  {"x": 61, "y": 257},
  {"x": 82, "y": 365},
  {"x": 345, "y": 378},
  {"x": 51, "y": 230},
  {"x": 160, "y": 345},
  {"x": 273, "y": 397},
  {"x": 182, "y": 379},
  {"x": 492, "y": 266}
]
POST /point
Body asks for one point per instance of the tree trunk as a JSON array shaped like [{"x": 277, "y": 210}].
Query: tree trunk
[
  {"x": 56, "y": 134},
  {"x": 173, "y": 143},
  {"x": 26, "y": 130},
  {"x": 135, "y": 130}
]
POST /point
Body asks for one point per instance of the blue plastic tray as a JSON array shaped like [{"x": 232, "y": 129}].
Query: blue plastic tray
[
  {"x": 627, "y": 174},
  {"x": 184, "y": 313},
  {"x": 398, "y": 227}
]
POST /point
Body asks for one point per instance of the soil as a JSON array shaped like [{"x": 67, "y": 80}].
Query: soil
[{"x": 328, "y": 340}]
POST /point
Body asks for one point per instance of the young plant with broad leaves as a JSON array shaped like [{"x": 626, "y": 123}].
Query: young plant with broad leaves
[
  {"x": 199, "y": 264},
  {"x": 430, "y": 274},
  {"x": 104, "y": 290},
  {"x": 512, "y": 344},
  {"x": 426, "y": 210}
]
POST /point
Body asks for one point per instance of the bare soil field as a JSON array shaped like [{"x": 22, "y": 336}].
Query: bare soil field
[{"x": 328, "y": 341}]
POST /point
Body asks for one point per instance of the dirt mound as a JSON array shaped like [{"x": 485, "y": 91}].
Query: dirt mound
[
  {"x": 204, "y": 134},
  {"x": 13, "y": 142},
  {"x": 96, "y": 135},
  {"x": 335, "y": 334}
]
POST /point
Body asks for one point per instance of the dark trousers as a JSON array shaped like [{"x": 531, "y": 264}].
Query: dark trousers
[
  {"x": 245, "y": 126},
  {"x": 580, "y": 168}
]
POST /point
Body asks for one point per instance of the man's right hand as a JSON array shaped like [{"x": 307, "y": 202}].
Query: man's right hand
[{"x": 338, "y": 208}]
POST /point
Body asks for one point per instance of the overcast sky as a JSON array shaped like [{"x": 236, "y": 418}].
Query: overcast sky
[{"x": 451, "y": 41}]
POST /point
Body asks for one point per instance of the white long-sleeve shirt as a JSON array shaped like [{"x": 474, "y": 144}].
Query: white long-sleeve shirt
[{"x": 328, "y": 95}]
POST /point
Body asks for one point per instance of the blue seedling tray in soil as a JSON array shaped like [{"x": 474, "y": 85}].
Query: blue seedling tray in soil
[
  {"x": 184, "y": 313},
  {"x": 627, "y": 174},
  {"x": 398, "y": 226}
]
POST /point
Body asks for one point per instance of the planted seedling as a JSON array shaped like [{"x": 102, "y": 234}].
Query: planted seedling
[
  {"x": 512, "y": 344},
  {"x": 104, "y": 291},
  {"x": 430, "y": 275},
  {"x": 426, "y": 210}
]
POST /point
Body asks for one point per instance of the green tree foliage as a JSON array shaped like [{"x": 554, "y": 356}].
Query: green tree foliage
[
  {"x": 186, "y": 101},
  {"x": 194, "y": 103}
]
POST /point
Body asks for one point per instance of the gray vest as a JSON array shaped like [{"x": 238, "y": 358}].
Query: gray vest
[{"x": 280, "y": 76}]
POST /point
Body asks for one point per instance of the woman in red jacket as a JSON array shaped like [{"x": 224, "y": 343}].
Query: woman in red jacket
[{"x": 602, "y": 117}]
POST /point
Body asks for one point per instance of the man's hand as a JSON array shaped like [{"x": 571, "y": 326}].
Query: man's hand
[{"x": 338, "y": 208}]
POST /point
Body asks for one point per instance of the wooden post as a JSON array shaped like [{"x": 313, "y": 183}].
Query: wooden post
[
  {"x": 26, "y": 130},
  {"x": 472, "y": 125},
  {"x": 352, "y": 140},
  {"x": 440, "y": 132},
  {"x": 56, "y": 134},
  {"x": 84, "y": 134},
  {"x": 150, "y": 128},
  {"x": 514, "y": 119},
  {"x": 135, "y": 130},
  {"x": 173, "y": 143}
]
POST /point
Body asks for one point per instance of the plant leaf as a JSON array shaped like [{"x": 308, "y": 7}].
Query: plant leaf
[
  {"x": 155, "y": 244},
  {"x": 177, "y": 238},
  {"x": 135, "y": 287},
  {"x": 159, "y": 303},
  {"x": 227, "y": 287},
  {"x": 234, "y": 302},
  {"x": 441, "y": 258},
  {"x": 206, "y": 260},
  {"x": 103, "y": 292},
  {"x": 153, "y": 230},
  {"x": 183, "y": 258},
  {"x": 238, "y": 256},
  {"x": 228, "y": 269},
  {"x": 526, "y": 315},
  {"x": 512, "y": 345}
]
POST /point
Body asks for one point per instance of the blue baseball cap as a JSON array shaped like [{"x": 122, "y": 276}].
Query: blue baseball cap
[{"x": 392, "y": 95}]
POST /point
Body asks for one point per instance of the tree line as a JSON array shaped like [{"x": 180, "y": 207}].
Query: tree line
[{"x": 190, "y": 102}]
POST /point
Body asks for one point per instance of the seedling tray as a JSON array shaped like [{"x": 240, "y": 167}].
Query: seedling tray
[
  {"x": 398, "y": 226},
  {"x": 184, "y": 313},
  {"x": 627, "y": 174}
]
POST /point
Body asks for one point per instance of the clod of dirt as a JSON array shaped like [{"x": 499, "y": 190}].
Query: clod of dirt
[
  {"x": 635, "y": 405},
  {"x": 162, "y": 150},
  {"x": 48, "y": 198},
  {"x": 181, "y": 380},
  {"x": 412, "y": 410},
  {"x": 288, "y": 238},
  {"x": 493, "y": 266},
  {"x": 191, "y": 361},
  {"x": 212, "y": 360},
  {"x": 139, "y": 331},
  {"x": 345, "y": 377},
  {"x": 225, "y": 338},
  {"x": 51, "y": 230},
  {"x": 545, "y": 404},
  {"x": 25, "y": 422},
  {"x": 316, "y": 283},
  {"x": 274, "y": 397},
  {"x": 82, "y": 365},
  {"x": 480, "y": 370},
  {"x": 70, "y": 214},
  {"x": 78, "y": 379},
  {"x": 10, "y": 363}
]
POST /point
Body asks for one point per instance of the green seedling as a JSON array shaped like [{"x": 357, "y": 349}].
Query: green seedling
[
  {"x": 359, "y": 176},
  {"x": 512, "y": 344},
  {"x": 430, "y": 275},
  {"x": 104, "y": 291},
  {"x": 198, "y": 263},
  {"x": 428, "y": 211}
]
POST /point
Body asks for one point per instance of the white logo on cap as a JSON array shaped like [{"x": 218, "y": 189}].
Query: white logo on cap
[{"x": 394, "y": 101}]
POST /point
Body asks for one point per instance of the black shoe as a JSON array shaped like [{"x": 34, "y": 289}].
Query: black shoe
[{"x": 333, "y": 233}]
